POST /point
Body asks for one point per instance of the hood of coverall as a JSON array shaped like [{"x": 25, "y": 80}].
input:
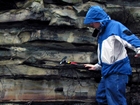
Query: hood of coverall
[{"x": 96, "y": 14}]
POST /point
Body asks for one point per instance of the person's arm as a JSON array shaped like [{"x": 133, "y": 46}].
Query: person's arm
[
  {"x": 130, "y": 40},
  {"x": 138, "y": 54},
  {"x": 93, "y": 67},
  {"x": 133, "y": 42}
]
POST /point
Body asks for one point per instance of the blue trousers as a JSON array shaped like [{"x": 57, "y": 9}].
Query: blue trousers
[{"x": 111, "y": 90}]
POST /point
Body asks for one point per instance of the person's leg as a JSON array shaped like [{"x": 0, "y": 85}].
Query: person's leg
[
  {"x": 115, "y": 89},
  {"x": 100, "y": 93}
]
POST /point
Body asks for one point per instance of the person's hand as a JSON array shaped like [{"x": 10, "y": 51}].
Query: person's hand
[
  {"x": 137, "y": 55},
  {"x": 90, "y": 66}
]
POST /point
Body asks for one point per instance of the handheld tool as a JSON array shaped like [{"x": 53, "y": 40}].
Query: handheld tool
[
  {"x": 96, "y": 74},
  {"x": 64, "y": 61}
]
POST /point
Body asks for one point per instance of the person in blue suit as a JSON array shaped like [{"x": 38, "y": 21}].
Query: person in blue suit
[{"x": 113, "y": 38}]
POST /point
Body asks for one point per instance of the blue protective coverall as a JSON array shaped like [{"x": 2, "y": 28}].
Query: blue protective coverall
[{"x": 113, "y": 38}]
